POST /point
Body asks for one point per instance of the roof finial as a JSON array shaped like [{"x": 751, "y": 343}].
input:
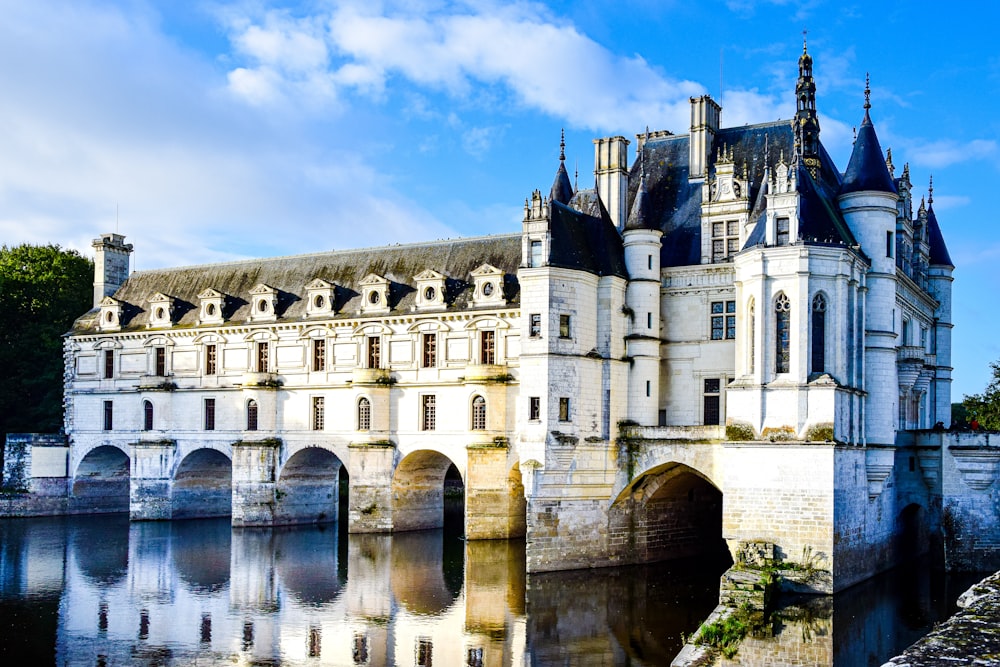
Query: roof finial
[
  {"x": 804, "y": 32},
  {"x": 930, "y": 191},
  {"x": 576, "y": 176},
  {"x": 562, "y": 145},
  {"x": 888, "y": 162},
  {"x": 868, "y": 92}
]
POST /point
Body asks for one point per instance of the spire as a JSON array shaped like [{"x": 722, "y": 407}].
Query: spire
[
  {"x": 888, "y": 163},
  {"x": 930, "y": 192},
  {"x": 638, "y": 217},
  {"x": 806, "y": 119},
  {"x": 562, "y": 189},
  {"x": 867, "y": 171},
  {"x": 935, "y": 239}
]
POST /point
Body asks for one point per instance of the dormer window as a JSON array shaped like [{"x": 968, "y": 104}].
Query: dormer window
[
  {"x": 161, "y": 309},
  {"x": 488, "y": 281},
  {"x": 430, "y": 290},
  {"x": 374, "y": 294},
  {"x": 111, "y": 314},
  {"x": 320, "y": 298},
  {"x": 263, "y": 303},
  {"x": 211, "y": 306}
]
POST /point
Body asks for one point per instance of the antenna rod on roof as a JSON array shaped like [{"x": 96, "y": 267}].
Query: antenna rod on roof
[{"x": 720, "y": 76}]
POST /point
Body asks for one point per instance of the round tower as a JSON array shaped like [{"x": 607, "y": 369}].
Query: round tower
[
  {"x": 868, "y": 202},
  {"x": 939, "y": 281},
  {"x": 641, "y": 240}
]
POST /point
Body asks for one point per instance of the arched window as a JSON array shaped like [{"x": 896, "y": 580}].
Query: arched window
[
  {"x": 251, "y": 415},
  {"x": 782, "y": 331},
  {"x": 478, "y": 413},
  {"x": 751, "y": 342},
  {"x": 147, "y": 416},
  {"x": 819, "y": 334},
  {"x": 364, "y": 414}
]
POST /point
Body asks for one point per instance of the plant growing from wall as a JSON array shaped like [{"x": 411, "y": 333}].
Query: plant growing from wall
[{"x": 984, "y": 408}]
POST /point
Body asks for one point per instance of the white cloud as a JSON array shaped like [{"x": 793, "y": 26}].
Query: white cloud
[{"x": 944, "y": 152}]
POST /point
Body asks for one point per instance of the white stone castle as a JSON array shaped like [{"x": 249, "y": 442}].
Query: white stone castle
[{"x": 723, "y": 343}]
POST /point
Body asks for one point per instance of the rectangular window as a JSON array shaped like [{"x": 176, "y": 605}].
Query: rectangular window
[
  {"x": 160, "y": 354},
  {"x": 888, "y": 244},
  {"x": 535, "y": 259},
  {"x": 782, "y": 229},
  {"x": 474, "y": 657},
  {"x": 487, "y": 349},
  {"x": 923, "y": 338},
  {"x": 209, "y": 414},
  {"x": 428, "y": 417},
  {"x": 725, "y": 240},
  {"x": 723, "y": 320},
  {"x": 424, "y": 651},
  {"x": 649, "y": 262},
  {"x": 711, "y": 401},
  {"x": 564, "y": 331},
  {"x": 429, "y": 358},
  {"x": 648, "y": 388},
  {"x": 374, "y": 352},
  {"x": 319, "y": 354},
  {"x": 564, "y": 409},
  {"x": 649, "y": 320},
  {"x": 534, "y": 325},
  {"x": 534, "y": 408},
  {"x": 211, "y": 360},
  {"x": 318, "y": 416},
  {"x": 109, "y": 364},
  {"x": 905, "y": 337},
  {"x": 262, "y": 350},
  {"x": 109, "y": 415}
]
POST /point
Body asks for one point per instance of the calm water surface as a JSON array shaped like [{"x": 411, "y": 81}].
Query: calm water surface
[{"x": 100, "y": 591}]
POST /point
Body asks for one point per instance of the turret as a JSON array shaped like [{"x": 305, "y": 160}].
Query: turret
[
  {"x": 642, "y": 297},
  {"x": 562, "y": 189},
  {"x": 939, "y": 282},
  {"x": 111, "y": 265}
]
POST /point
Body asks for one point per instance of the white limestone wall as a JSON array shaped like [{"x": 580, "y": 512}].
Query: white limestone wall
[{"x": 642, "y": 296}]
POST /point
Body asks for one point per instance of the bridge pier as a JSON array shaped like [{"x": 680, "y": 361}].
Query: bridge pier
[
  {"x": 254, "y": 467},
  {"x": 150, "y": 483},
  {"x": 370, "y": 492},
  {"x": 494, "y": 496}
]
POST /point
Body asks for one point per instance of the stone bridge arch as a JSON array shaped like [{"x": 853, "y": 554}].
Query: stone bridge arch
[
  {"x": 202, "y": 484},
  {"x": 307, "y": 487},
  {"x": 418, "y": 490},
  {"x": 102, "y": 476},
  {"x": 669, "y": 511}
]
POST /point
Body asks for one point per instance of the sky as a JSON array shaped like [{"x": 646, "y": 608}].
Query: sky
[{"x": 208, "y": 131}]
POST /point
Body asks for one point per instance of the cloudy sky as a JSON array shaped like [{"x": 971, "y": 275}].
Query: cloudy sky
[{"x": 212, "y": 130}]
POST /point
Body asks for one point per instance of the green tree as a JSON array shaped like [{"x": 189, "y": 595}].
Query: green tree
[
  {"x": 985, "y": 407},
  {"x": 42, "y": 290}
]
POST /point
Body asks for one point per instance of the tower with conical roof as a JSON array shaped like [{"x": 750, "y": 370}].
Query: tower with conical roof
[
  {"x": 868, "y": 201},
  {"x": 939, "y": 282}
]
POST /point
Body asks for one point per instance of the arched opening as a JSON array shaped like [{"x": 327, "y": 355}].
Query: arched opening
[
  {"x": 909, "y": 539},
  {"x": 308, "y": 488},
  {"x": 147, "y": 416},
  {"x": 418, "y": 491},
  {"x": 251, "y": 415},
  {"x": 203, "y": 486},
  {"x": 668, "y": 513},
  {"x": 103, "y": 479}
]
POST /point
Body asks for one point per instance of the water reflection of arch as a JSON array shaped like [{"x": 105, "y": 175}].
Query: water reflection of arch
[
  {"x": 307, "y": 564},
  {"x": 100, "y": 548},
  {"x": 200, "y": 551},
  {"x": 102, "y": 476},
  {"x": 308, "y": 487},
  {"x": 669, "y": 511},
  {"x": 202, "y": 485},
  {"x": 417, "y": 573},
  {"x": 418, "y": 490}
]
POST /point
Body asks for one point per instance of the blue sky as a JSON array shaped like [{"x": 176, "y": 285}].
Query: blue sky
[{"x": 223, "y": 130}]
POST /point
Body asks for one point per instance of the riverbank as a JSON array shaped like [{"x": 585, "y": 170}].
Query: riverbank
[{"x": 970, "y": 637}]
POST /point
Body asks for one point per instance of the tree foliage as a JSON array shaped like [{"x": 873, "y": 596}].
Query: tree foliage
[
  {"x": 985, "y": 407},
  {"x": 42, "y": 290}
]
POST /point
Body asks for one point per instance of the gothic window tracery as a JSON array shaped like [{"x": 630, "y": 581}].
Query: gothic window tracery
[
  {"x": 819, "y": 334},
  {"x": 782, "y": 330}
]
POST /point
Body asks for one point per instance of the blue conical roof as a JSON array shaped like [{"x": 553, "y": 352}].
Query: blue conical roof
[
  {"x": 639, "y": 217},
  {"x": 938, "y": 250},
  {"x": 867, "y": 171},
  {"x": 562, "y": 189}
]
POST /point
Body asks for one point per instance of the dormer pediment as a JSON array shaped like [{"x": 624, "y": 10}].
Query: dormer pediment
[
  {"x": 320, "y": 298},
  {"x": 263, "y": 303},
  {"x": 374, "y": 294},
  {"x": 161, "y": 310},
  {"x": 430, "y": 290},
  {"x": 319, "y": 283},
  {"x": 211, "y": 305},
  {"x": 110, "y": 318},
  {"x": 211, "y": 293},
  {"x": 488, "y": 281}
]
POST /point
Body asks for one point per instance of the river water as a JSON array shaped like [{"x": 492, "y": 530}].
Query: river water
[{"x": 100, "y": 591}]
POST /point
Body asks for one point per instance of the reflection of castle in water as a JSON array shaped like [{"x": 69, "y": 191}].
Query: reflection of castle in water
[{"x": 186, "y": 593}]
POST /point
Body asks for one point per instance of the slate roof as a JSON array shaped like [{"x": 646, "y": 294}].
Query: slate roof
[
  {"x": 344, "y": 268},
  {"x": 938, "y": 250},
  {"x": 867, "y": 170},
  {"x": 562, "y": 189},
  {"x": 585, "y": 242}
]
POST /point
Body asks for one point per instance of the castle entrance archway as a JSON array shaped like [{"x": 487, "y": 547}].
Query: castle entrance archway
[
  {"x": 671, "y": 511},
  {"x": 308, "y": 488},
  {"x": 203, "y": 486},
  {"x": 103, "y": 479},
  {"x": 418, "y": 490}
]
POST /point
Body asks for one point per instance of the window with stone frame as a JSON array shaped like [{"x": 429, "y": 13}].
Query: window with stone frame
[
  {"x": 534, "y": 408},
  {"x": 424, "y": 651},
  {"x": 535, "y": 254},
  {"x": 534, "y": 325},
  {"x": 147, "y": 416},
  {"x": 251, "y": 415},
  {"x": 711, "y": 401},
  {"x": 564, "y": 326},
  {"x": 723, "y": 320},
  {"x": 478, "y": 413},
  {"x": 160, "y": 361},
  {"x": 319, "y": 354},
  {"x": 211, "y": 359},
  {"x": 209, "y": 414},
  {"x": 782, "y": 227},
  {"x": 751, "y": 342},
  {"x": 261, "y": 360},
  {"x": 782, "y": 331},
  {"x": 318, "y": 413},
  {"x": 374, "y": 351},
  {"x": 428, "y": 412},
  {"x": 564, "y": 414},
  {"x": 364, "y": 414},
  {"x": 725, "y": 240},
  {"x": 109, "y": 364},
  {"x": 428, "y": 356},
  {"x": 109, "y": 415},
  {"x": 487, "y": 347},
  {"x": 818, "y": 334}
]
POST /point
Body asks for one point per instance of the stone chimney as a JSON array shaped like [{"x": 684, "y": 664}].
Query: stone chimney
[
  {"x": 611, "y": 171},
  {"x": 111, "y": 265},
  {"x": 705, "y": 114}
]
